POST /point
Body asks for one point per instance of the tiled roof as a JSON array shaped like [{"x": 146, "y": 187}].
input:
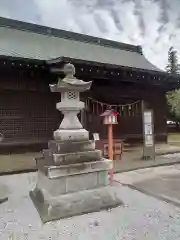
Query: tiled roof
[{"x": 26, "y": 40}]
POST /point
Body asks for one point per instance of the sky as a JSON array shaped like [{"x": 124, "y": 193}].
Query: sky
[{"x": 153, "y": 24}]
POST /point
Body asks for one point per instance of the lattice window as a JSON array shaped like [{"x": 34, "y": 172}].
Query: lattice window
[
  {"x": 12, "y": 128},
  {"x": 72, "y": 95},
  {"x": 26, "y": 116}
]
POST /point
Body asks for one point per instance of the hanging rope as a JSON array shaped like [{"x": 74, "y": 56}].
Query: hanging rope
[{"x": 97, "y": 107}]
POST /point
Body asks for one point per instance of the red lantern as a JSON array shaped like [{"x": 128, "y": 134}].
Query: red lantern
[{"x": 110, "y": 117}]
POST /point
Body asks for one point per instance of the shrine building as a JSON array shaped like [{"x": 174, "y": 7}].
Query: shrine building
[{"x": 31, "y": 58}]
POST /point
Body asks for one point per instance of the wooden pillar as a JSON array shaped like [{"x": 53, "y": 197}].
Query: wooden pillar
[
  {"x": 110, "y": 149},
  {"x": 110, "y": 142}
]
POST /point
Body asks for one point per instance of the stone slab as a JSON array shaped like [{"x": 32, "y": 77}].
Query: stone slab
[
  {"x": 64, "y": 185},
  {"x": 162, "y": 186},
  {"x": 86, "y": 181},
  {"x": 77, "y": 157},
  {"x": 71, "y": 158},
  {"x": 52, "y": 187},
  {"x": 82, "y": 182},
  {"x": 77, "y": 203},
  {"x": 70, "y": 146},
  {"x": 78, "y": 168},
  {"x": 67, "y": 184}
]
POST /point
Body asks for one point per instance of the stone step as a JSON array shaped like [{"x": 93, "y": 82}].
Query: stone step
[
  {"x": 70, "y": 146},
  {"x": 63, "y": 180},
  {"x": 53, "y": 172},
  {"x": 71, "y": 158}
]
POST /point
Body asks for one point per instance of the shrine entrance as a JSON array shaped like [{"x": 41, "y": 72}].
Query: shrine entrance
[
  {"x": 129, "y": 125},
  {"x": 129, "y": 118}
]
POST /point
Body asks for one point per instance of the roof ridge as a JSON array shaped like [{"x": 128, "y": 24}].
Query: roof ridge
[{"x": 45, "y": 30}]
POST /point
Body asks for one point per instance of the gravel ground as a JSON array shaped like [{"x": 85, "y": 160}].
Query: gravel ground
[{"x": 142, "y": 217}]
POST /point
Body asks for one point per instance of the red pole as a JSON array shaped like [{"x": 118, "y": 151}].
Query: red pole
[{"x": 110, "y": 148}]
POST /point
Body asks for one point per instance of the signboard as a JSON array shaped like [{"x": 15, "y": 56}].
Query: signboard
[
  {"x": 148, "y": 130},
  {"x": 148, "y": 117},
  {"x": 96, "y": 136}
]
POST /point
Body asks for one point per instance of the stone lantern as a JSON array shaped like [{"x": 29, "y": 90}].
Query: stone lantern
[
  {"x": 70, "y": 105},
  {"x": 72, "y": 175}
]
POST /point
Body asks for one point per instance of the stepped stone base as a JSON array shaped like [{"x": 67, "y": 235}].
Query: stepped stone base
[
  {"x": 76, "y": 203},
  {"x": 73, "y": 189}
]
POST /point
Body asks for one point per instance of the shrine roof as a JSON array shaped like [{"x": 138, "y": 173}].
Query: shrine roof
[{"x": 32, "y": 41}]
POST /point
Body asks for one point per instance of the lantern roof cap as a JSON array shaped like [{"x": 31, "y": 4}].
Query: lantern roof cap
[
  {"x": 70, "y": 82},
  {"x": 109, "y": 112}
]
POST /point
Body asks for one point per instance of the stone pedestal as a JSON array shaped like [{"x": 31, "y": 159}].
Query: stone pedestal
[{"x": 72, "y": 175}]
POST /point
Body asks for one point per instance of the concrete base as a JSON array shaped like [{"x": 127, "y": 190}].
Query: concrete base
[{"x": 77, "y": 203}]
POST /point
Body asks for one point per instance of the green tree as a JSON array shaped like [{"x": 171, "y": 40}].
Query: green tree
[
  {"x": 173, "y": 97},
  {"x": 173, "y": 65},
  {"x": 173, "y": 100}
]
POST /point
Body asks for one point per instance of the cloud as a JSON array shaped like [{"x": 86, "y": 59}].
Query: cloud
[
  {"x": 155, "y": 24},
  {"x": 19, "y": 9}
]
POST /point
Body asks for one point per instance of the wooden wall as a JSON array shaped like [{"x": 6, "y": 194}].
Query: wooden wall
[{"x": 28, "y": 113}]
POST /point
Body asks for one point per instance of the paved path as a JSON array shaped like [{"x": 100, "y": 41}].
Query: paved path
[
  {"x": 160, "y": 182},
  {"x": 142, "y": 217}
]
